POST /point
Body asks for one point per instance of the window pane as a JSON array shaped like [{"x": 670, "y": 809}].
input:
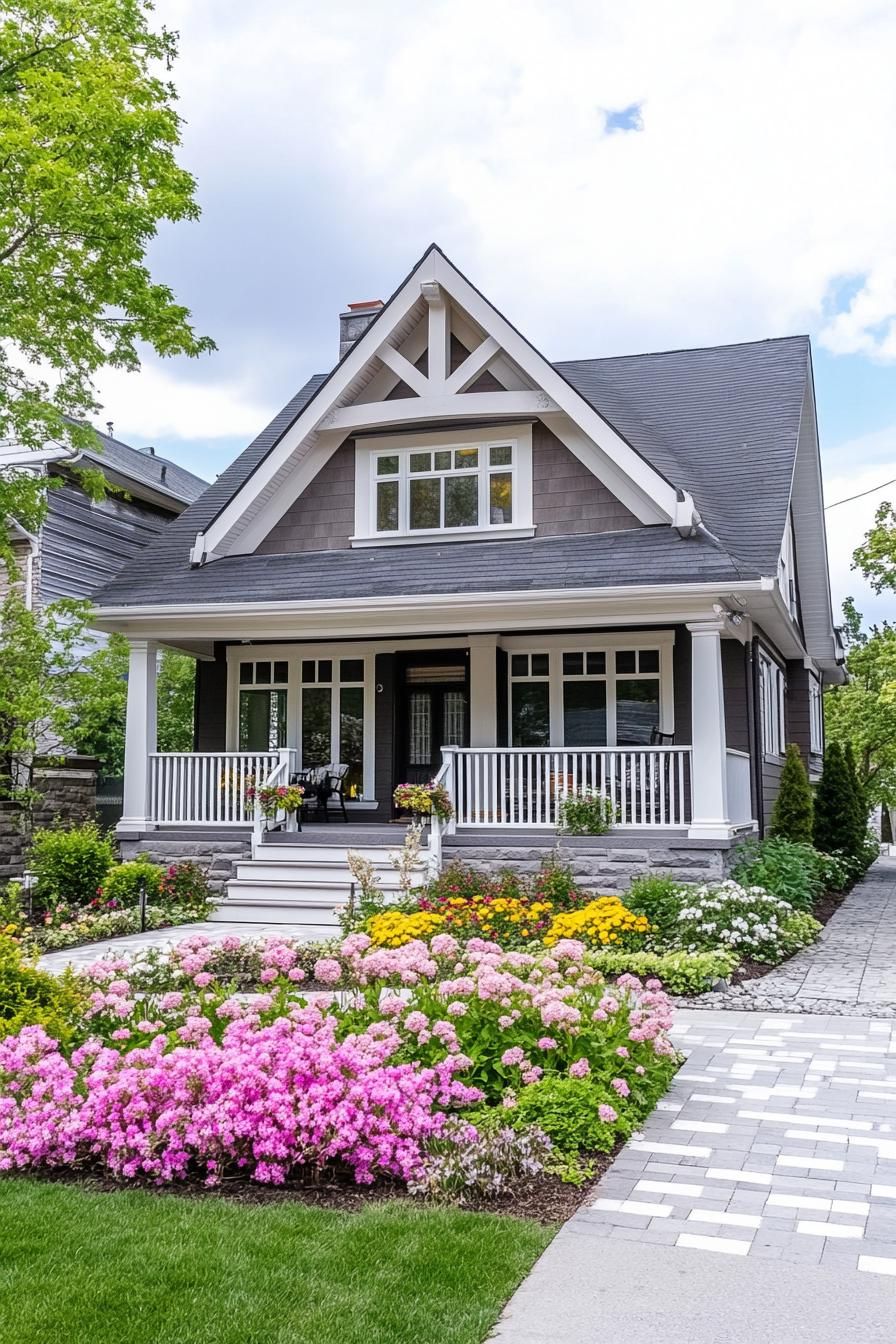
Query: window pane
[
  {"x": 625, "y": 662},
  {"x": 351, "y": 738},
  {"x": 387, "y": 466},
  {"x": 443, "y": 461},
  {"x": 420, "y": 719},
  {"x": 649, "y": 660},
  {"x": 246, "y": 670},
  {"x": 351, "y": 669},
  {"x": 461, "y": 501},
  {"x": 500, "y": 488},
  {"x": 596, "y": 664},
  {"x": 637, "y": 712},
  {"x": 325, "y": 669},
  {"x": 530, "y": 714},
  {"x": 454, "y": 719},
  {"x": 426, "y": 503},
  {"x": 262, "y": 674},
  {"x": 316, "y": 705},
  {"x": 466, "y": 458},
  {"x": 585, "y": 713},
  {"x": 573, "y": 663},
  {"x": 540, "y": 664},
  {"x": 281, "y": 671},
  {"x": 309, "y": 669},
  {"x": 421, "y": 461},
  {"x": 500, "y": 454},
  {"x": 262, "y": 720},
  {"x": 519, "y": 664},
  {"x": 387, "y": 506}
]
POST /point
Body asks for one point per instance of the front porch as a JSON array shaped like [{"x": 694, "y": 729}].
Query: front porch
[{"x": 511, "y": 724}]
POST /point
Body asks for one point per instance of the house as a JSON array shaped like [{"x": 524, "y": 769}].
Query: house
[{"x": 450, "y": 556}]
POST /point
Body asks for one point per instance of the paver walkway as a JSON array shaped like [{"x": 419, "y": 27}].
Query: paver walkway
[
  {"x": 758, "y": 1204},
  {"x": 850, "y": 970}
]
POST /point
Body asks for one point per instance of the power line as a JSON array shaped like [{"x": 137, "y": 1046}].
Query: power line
[{"x": 850, "y": 498}]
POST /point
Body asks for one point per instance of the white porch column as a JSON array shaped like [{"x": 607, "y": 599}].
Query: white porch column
[
  {"x": 709, "y": 786},
  {"x": 483, "y": 691},
  {"x": 140, "y": 734}
]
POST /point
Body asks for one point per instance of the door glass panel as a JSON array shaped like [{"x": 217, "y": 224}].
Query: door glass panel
[
  {"x": 262, "y": 720},
  {"x": 420, "y": 728},
  {"x": 461, "y": 501},
  {"x": 454, "y": 715},
  {"x": 316, "y": 704},
  {"x": 585, "y": 713},
  {"x": 500, "y": 487},
  {"x": 387, "y": 506},
  {"x": 351, "y": 669},
  {"x": 351, "y": 738},
  {"x": 426, "y": 502},
  {"x": 637, "y": 712},
  {"x": 530, "y": 714}
]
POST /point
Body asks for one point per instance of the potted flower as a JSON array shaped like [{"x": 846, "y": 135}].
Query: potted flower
[
  {"x": 426, "y": 800},
  {"x": 275, "y": 798}
]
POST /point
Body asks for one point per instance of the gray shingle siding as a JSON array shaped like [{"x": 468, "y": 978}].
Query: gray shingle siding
[
  {"x": 323, "y": 516},
  {"x": 566, "y": 497}
]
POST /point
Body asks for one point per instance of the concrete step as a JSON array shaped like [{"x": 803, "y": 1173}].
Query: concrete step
[
  {"x": 332, "y": 871},
  {"x": 379, "y": 855},
  {"x": 259, "y": 904}
]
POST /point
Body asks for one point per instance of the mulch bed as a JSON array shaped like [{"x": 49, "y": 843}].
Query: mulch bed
[{"x": 544, "y": 1199}]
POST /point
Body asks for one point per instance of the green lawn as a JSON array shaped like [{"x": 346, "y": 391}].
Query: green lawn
[{"x": 138, "y": 1268}]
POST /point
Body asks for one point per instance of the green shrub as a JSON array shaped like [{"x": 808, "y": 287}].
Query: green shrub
[
  {"x": 185, "y": 885},
  {"x": 790, "y": 871},
  {"x": 859, "y": 800},
  {"x": 555, "y": 882},
  {"x": 798, "y": 930},
  {"x": 659, "y": 899},
  {"x": 792, "y": 812},
  {"x": 835, "y": 828},
  {"x": 679, "y": 972},
  {"x": 30, "y": 998},
  {"x": 70, "y": 863},
  {"x": 566, "y": 1110},
  {"x": 121, "y": 889},
  {"x": 12, "y": 913},
  {"x": 586, "y": 813}
]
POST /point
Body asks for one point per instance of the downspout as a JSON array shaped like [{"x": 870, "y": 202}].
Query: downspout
[{"x": 750, "y": 652}]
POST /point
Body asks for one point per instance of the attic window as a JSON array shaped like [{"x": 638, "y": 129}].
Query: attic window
[{"x": 423, "y": 487}]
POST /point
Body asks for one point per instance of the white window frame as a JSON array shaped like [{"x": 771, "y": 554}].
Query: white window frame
[
  {"x": 787, "y": 569},
  {"x": 294, "y": 655},
  {"x": 772, "y": 692},
  {"x": 816, "y": 716},
  {"x": 653, "y": 641},
  {"x": 369, "y": 450}
]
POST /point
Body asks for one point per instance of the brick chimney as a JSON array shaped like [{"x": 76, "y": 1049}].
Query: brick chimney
[{"x": 355, "y": 321}]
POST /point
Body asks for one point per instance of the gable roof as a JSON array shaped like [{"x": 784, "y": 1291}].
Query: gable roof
[{"x": 148, "y": 471}]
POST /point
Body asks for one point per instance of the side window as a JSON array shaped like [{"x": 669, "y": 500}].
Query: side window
[{"x": 772, "y": 686}]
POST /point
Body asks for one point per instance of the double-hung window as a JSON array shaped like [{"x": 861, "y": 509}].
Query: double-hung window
[
  {"x": 816, "y": 717},
  {"x": 332, "y": 717},
  {"x": 772, "y": 687}
]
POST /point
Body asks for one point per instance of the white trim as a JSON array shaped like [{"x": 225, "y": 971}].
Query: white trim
[
  {"x": 816, "y": 716},
  {"x": 327, "y": 409},
  {"x": 772, "y": 705},
  {"x": 140, "y": 733},
  {"x": 709, "y": 762}
]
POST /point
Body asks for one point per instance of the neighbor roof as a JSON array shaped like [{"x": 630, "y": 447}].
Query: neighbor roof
[
  {"x": 146, "y": 469},
  {"x": 721, "y": 422}
]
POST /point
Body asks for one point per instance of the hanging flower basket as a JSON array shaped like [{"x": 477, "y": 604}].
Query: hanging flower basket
[
  {"x": 426, "y": 800},
  {"x": 274, "y": 798}
]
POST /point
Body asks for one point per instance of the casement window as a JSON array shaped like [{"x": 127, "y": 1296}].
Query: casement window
[
  {"x": 589, "y": 697},
  {"x": 332, "y": 716},
  {"x": 772, "y": 688},
  {"x": 437, "y": 486},
  {"x": 262, "y": 705},
  {"x": 816, "y": 717}
]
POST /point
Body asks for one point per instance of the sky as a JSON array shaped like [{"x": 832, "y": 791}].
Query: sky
[{"x": 616, "y": 178}]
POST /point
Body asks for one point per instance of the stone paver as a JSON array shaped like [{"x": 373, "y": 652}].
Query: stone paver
[
  {"x": 775, "y": 1147},
  {"x": 79, "y": 957},
  {"x": 850, "y": 970}
]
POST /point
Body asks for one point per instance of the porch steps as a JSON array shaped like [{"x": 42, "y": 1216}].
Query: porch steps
[{"x": 303, "y": 885}]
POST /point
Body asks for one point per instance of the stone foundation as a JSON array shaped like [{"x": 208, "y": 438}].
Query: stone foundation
[
  {"x": 606, "y": 863},
  {"x": 68, "y": 795},
  {"x": 216, "y": 853}
]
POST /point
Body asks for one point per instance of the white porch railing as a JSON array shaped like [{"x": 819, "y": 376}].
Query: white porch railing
[
  {"x": 522, "y": 786},
  {"x": 198, "y": 788},
  {"x": 740, "y": 802}
]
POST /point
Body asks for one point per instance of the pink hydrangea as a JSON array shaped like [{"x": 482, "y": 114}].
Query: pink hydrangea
[
  {"x": 515, "y": 1055},
  {"x": 547, "y": 1043},
  {"x": 327, "y": 971},
  {"x": 580, "y": 1068},
  {"x": 620, "y": 1086},
  {"x": 607, "y": 1114}
]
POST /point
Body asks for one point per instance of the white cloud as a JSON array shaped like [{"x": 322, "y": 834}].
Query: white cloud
[
  {"x": 847, "y": 524},
  {"x": 157, "y": 402}
]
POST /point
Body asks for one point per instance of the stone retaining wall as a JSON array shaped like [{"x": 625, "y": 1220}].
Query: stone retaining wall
[
  {"x": 603, "y": 864},
  {"x": 69, "y": 795},
  {"x": 217, "y": 855}
]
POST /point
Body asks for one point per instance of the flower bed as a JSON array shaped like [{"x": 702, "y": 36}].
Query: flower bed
[{"x": 424, "y": 1064}]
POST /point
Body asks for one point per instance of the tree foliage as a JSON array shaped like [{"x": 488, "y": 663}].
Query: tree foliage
[
  {"x": 863, "y": 712},
  {"x": 87, "y": 172},
  {"x": 876, "y": 557},
  {"x": 792, "y": 812},
  {"x": 98, "y": 725}
]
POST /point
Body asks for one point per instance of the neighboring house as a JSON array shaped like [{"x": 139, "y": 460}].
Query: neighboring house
[
  {"x": 449, "y": 555},
  {"x": 83, "y": 543}
]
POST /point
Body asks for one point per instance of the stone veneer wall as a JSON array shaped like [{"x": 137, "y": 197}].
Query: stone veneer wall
[
  {"x": 606, "y": 863},
  {"x": 69, "y": 795},
  {"x": 217, "y": 854}
]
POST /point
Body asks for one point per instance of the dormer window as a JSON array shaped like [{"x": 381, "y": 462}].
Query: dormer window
[{"x": 444, "y": 486}]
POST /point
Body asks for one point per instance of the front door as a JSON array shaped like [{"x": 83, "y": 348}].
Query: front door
[{"x": 433, "y": 712}]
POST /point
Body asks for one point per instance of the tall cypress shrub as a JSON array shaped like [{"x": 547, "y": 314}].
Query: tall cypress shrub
[
  {"x": 860, "y": 804},
  {"x": 792, "y": 812},
  {"x": 834, "y": 825}
]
